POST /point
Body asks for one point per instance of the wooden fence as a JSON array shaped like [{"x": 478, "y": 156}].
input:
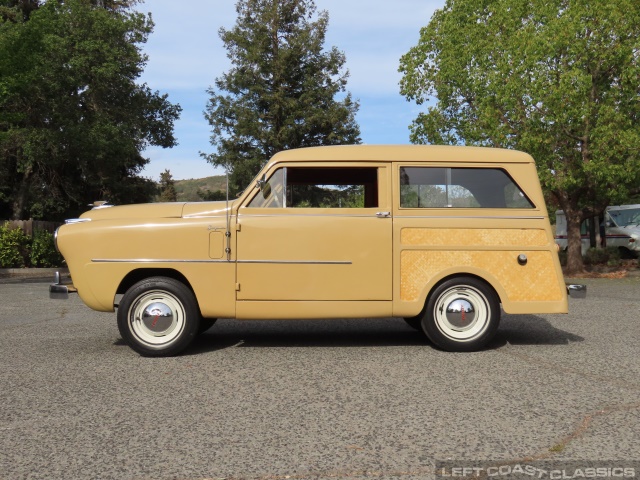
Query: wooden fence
[{"x": 28, "y": 226}]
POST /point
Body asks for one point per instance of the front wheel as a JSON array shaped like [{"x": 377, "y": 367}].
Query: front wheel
[
  {"x": 462, "y": 315},
  {"x": 158, "y": 316}
]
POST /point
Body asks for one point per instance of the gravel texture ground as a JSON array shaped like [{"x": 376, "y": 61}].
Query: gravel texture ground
[{"x": 330, "y": 399}]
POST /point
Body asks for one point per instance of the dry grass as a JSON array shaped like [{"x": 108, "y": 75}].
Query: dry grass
[{"x": 604, "y": 271}]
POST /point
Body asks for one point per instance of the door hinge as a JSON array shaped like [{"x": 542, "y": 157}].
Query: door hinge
[
  {"x": 237, "y": 287},
  {"x": 237, "y": 227}
]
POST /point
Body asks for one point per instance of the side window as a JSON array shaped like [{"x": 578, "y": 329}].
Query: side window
[
  {"x": 329, "y": 187},
  {"x": 271, "y": 194},
  {"x": 319, "y": 187},
  {"x": 436, "y": 187}
]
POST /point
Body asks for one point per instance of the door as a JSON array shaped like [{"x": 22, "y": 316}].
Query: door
[{"x": 320, "y": 233}]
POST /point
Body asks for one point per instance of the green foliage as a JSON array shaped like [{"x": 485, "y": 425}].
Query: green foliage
[
  {"x": 18, "y": 250},
  {"x": 73, "y": 120},
  {"x": 556, "y": 79},
  {"x": 562, "y": 254},
  {"x": 197, "y": 189},
  {"x": 281, "y": 88},
  {"x": 43, "y": 252},
  {"x": 212, "y": 195},
  {"x": 596, "y": 256},
  {"x": 167, "y": 187},
  {"x": 13, "y": 247},
  {"x": 607, "y": 256},
  {"x": 337, "y": 196}
]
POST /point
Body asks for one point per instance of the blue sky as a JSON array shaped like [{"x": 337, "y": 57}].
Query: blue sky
[{"x": 186, "y": 55}]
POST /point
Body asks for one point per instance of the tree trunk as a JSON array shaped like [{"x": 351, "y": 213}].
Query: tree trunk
[
  {"x": 20, "y": 196},
  {"x": 575, "y": 263}
]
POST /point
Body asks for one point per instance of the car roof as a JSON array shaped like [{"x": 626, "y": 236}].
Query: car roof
[{"x": 411, "y": 153}]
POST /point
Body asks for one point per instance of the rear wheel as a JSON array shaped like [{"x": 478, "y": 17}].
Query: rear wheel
[
  {"x": 462, "y": 315},
  {"x": 158, "y": 316}
]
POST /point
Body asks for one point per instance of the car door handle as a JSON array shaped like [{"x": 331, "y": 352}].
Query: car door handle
[{"x": 383, "y": 214}]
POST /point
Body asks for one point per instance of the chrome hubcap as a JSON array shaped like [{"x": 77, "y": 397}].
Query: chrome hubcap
[
  {"x": 461, "y": 314},
  {"x": 157, "y": 318}
]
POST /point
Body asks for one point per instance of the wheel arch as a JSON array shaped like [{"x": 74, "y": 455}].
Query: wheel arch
[
  {"x": 482, "y": 277},
  {"x": 140, "y": 274}
]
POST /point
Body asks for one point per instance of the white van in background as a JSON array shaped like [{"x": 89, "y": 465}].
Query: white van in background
[{"x": 621, "y": 227}]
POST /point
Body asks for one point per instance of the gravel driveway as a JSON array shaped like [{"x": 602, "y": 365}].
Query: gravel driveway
[{"x": 332, "y": 399}]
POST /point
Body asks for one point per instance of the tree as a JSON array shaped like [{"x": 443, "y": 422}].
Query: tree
[
  {"x": 555, "y": 78},
  {"x": 167, "y": 187},
  {"x": 73, "y": 120},
  {"x": 212, "y": 195},
  {"x": 15, "y": 10},
  {"x": 281, "y": 88}
]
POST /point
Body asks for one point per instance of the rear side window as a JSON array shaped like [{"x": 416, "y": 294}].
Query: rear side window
[{"x": 436, "y": 187}]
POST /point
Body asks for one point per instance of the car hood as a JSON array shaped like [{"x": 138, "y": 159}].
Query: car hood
[
  {"x": 146, "y": 210},
  {"x": 158, "y": 210},
  {"x": 205, "y": 209}
]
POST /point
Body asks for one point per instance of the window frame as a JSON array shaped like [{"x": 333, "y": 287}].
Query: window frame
[{"x": 382, "y": 184}]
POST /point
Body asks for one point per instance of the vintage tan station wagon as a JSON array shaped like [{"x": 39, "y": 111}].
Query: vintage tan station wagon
[{"x": 441, "y": 236}]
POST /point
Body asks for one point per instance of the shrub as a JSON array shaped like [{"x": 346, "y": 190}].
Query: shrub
[
  {"x": 596, "y": 256},
  {"x": 18, "y": 250},
  {"x": 614, "y": 256},
  {"x": 14, "y": 246},
  {"x": 43, "y": 251},
  {"x": 563, "y": 257}
]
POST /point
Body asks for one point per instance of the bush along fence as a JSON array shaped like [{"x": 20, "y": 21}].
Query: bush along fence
[
  {"x": 30, "y": 226},
  {"x": 28, "y": 243}
]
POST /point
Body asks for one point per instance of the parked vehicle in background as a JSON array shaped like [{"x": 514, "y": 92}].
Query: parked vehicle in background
[
  {"x": 621, "y": 228},
  {"x": 441, "y": 236}
]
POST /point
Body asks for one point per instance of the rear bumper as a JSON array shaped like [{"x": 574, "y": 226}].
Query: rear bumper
[
  {"x": 60, "y": 289},
  {"x": 577, "y": 290}
]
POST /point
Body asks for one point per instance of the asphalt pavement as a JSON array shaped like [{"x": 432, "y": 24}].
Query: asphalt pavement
[{"x": 330, "y": 399}]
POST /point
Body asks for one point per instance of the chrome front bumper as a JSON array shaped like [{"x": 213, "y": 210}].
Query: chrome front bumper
[
  {"x": 60, "y": 289},
  {"x": 577, "y": 290}
]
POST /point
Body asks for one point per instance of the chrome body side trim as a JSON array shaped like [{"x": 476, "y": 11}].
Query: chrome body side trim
[
  {"x": 398, "y": 216},
  {"x": 76, "y": 220},
  {"x": 283, "y": 262},
  {"x": 308, "y": 215},
  {"x": 483, "y": 217},
  {"x": 152, "y": 260}
]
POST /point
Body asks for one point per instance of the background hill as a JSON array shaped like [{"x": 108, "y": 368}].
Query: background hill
[{"x": 187, "y": 190}]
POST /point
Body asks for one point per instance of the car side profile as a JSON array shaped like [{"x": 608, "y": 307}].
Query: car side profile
[{"x": 444, "y": 237}]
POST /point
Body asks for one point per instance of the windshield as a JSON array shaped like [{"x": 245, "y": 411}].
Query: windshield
[{"x": 626, "y": 217}]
